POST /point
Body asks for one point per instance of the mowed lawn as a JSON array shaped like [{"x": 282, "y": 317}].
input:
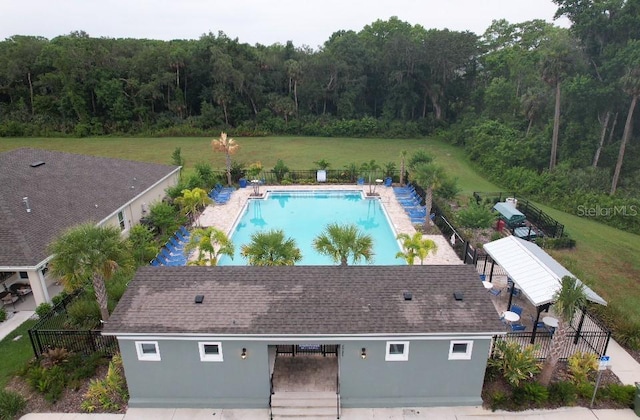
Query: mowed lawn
[{"x": 607, "y": 259}]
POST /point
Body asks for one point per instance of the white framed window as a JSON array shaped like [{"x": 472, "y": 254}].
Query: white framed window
[
  {"x": 121, "y": 220},
  {"x": 460, "y": 350},
  {"x": 148, "y": 350},
  {"x": 397, "y": 351},
  {"x": 210, "y": 351}
]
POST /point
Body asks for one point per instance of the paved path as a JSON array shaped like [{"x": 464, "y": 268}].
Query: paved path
[
  {"x": 14, "y": 322},
  {"x": 440, "y": 413}
]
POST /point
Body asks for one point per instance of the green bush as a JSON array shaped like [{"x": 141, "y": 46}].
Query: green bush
[
  {"x": 475, "y": 216},
  {"x": 531, "y": 393},
  {"x": 11, "y": 404},
  {"x": 43, "y": 309},
  {"x": 514, "y": 362},
  {"x": 84, "y": 313},
  {"x": 498, "y": 400},
  {"x": 563, "y": 242},
  {"x": 110, "y": 393},
  {"x": 562, "y": 393},
  {"x": 280, "y": 170},
  {"x": 59, "y": 297},
  {"x": 585, "y": 390},
  {"x": 622, "y": 394},
  {"x": 47, "y": 381},
  {"x": 581, "y": 365},
  {"x": 3, "y": 314}
]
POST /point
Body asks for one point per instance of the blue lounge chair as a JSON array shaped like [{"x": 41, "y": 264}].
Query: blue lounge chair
[
  {"x": 516, "y": 326},
  {"x": 517, "y": 309},
  {"x": 388, "y": 181},
  {"x": 495, "y": 292}
]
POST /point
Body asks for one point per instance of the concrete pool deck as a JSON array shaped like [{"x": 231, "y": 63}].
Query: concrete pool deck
[{"x": 223, "y": 216}]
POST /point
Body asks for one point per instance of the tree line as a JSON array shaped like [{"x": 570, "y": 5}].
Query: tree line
[{"x": 541, "y": 109}]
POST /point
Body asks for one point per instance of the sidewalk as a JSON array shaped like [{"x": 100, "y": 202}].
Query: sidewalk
[
  {"x": 14, "y": 322},
  {"x": 433, "y": 413}
]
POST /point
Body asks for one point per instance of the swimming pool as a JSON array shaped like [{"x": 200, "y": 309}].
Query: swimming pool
[{"x": 303, "y": 215}]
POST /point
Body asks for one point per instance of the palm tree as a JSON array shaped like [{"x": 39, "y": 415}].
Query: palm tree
[
  {"x": 228, "y": 146},
  {"x": 192, "y": 201},
  {"x": 271, "y": 248},
  {"x": 89, "y": 251},
  {"x": 343, "y": 241},
  {"x": 415, "y": 246},
  {"x": 370, "y": 169},
  {"x": 430, "y": 176},
  {"x": 568, "y": 299},
  {"x": 211, "y": 243},
  {"x": 403, "y": 169}
]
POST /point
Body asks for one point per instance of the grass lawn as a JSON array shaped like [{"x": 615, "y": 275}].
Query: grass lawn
[
  {"x": 606, "y": 258},
  {"x": 15, "y": 354}
]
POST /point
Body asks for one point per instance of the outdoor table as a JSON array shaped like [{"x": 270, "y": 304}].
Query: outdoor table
[
  {"x": 550, "y": 321},
  {"x": 487, "y": 284},
  {"x": 511, "y": 316},
  {"x": 379, "y": 181}
]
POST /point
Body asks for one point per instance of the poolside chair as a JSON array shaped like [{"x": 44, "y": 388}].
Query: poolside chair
[
  {"x": 388, "y": 181},
  {"x": 184, "y": 230},
  {"x": 495, "y": 292},
  {"x": 517, "y": 326},
  {"x": 517, "y": 309},
  {"x": 361, "y": 181},
  {"x": 483, "y": 277},
  {"x": 154, "y": 262},
  {"x": 538, "y": 326}
]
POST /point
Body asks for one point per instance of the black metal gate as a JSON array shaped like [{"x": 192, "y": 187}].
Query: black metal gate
[{"x": 295, "y": 349}]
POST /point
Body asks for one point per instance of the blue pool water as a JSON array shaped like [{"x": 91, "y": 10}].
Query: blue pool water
[{"x": 303, "y": 215}]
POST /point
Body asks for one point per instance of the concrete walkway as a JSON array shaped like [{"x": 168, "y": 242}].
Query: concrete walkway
[
  {"x": 17, "y": 318},
  {"x": 437, "y": 413}
]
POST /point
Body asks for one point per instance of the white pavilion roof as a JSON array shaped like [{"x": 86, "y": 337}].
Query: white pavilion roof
[{"x": 534, "y": 271}]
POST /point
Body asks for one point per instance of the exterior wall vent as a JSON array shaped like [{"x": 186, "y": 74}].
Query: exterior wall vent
[
  {"x": 458, "y": 296},
  {"x": 407, "y": 296},
  {"x": 36, "y": 164},
  {"x": 199, "y": 298}
]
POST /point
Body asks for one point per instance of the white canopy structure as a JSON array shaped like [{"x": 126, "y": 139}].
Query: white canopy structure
[{"x": 534, "y": 271}]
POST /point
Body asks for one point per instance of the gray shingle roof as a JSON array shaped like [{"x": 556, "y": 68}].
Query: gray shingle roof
[
  {"x": 68, "y": 189},
  {"x": 305, "y": 300}
]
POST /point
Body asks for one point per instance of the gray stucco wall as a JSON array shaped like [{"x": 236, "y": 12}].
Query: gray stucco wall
[
  {"x": 181, "y": 380},
  {"x": 428, "y": 378}
]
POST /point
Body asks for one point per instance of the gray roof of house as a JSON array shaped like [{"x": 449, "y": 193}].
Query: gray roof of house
[
  {"x": 299, "y": 300},
  {"x": 66, "y": 190}
]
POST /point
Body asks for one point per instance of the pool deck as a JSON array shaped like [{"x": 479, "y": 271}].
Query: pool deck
[{"x": 224, "y": 216}]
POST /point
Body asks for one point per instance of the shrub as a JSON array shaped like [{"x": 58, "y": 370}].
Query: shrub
[
  {"x": 476, "y": 216},
  {"x": 498, "y": 399},
  {"x": 280, "y": 170},
  {"x": 3, "y": 314},
  {"x": 563, "y": 242},
  {"x": 515, "y": 363},
  {"x": 622, "y": 394},
  {"x": 110, "y": 393},
  {"x": 531, "y": 393},
  {"x": 53, "y": 357},
  {"x": 11, "y": 404},
  {"x": 562, "y": 393},
  {"x": 585, "y": 390},
  {"x": 581, "y": 365},
  {"x": 43, "y": 309},
  {"x": 84, "y": 313},
  {"x": 59, "y": 297},
  {"x": 49, "y": 382}
]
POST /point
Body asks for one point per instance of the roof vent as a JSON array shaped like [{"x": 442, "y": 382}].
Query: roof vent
[
  {"x": 458, "y": 296},
  {"x": 407, "y": 296},
  {"x": 25, "y": 200},
  {"x": 199, "y": 298},
  {"x": 36, "y": 164}
]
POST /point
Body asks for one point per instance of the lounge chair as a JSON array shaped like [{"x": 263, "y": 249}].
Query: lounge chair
[
  {"x": 495, "y": 292},
  {"x": 517, "y": 309},
  {"x": 388, "y": 181},
  {"x": 517, "y": 326}
]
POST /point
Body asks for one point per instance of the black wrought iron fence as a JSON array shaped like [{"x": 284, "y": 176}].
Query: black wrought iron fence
[{"x": 53, "y": 331}]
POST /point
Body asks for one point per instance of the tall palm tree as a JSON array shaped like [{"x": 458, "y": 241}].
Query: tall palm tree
[
  {"x": 370, "y": 168},
  {"x": 415, "y": 246},
  {"x": 403, "y": 168},
  {"x": 192, "y": 201},
  {"x": 341, "y": 242},
  {"x": 211, "y": 243},
  {"x": 271, "y": 248},
  {"x": 89, "y": 251},
  {"x": 568, "y": 299},
  {"x": 228, "y": 146},
  {"x": 430, "y": 176}
]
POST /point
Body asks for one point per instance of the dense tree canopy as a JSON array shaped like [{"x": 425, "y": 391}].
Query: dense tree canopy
[{"x": 527, "y": 100}]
